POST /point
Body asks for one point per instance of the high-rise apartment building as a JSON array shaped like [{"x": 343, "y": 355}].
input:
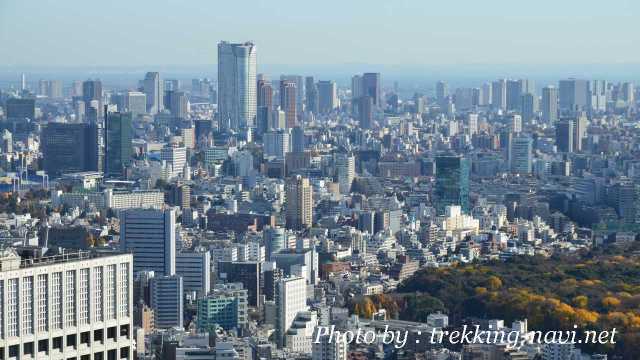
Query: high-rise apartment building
[
  {"x": 237, "y": 101},
  {"x": 288, "y": 102},
  {"x": 299, "y": 196}
]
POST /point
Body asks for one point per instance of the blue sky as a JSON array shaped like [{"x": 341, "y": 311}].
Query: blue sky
[{"x": 420, "y": 32}]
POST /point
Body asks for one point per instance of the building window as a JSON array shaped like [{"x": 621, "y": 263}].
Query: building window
[
  {"x": 97, "y": 294},
  {"x": 109, "y": 292},
  {"x": 43, "y": 295},
  {"x": 56, "y": 300},
  {"x": 83, "y": 294},
  {"x": 12, "y": 307},
  {"x": 124, "y": 290},
  {"x": 27, "y": 305},
  {"x": 70, "y": 298}
]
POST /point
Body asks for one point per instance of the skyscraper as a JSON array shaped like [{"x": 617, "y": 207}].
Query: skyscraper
[
  {"x": 118, "y": 143},
  {"x": 345, "y": 171},
  {"x": 628, "y": 93},
  {"x": 521, "y": 162},
  {"x": 177, "y": 103},
  {"x": 365, "y": 112},
  {"x": 311, "y": 94},
  {"x": 564, "y": 136},
  {"x": 549, "y": 104},
  {"x": 151, "y": 235},
  {"x": 452, "y": 182},
  {"x": 327, "y": 96},
  {"x": 195, "y": 269},
  {"x": 297, "y": 139},
  {"x": 499, "y": 94},
  {"x": 70, "y": 148},
  {"x": 597, "y": 95},
  {"x": 290, "y": 298},
  {"x": 300, "y": 89},
  {"x": 516, "y": 123},
  {"x": 237, "y": 85},
  {"x": 288, "y": 102},
  {"x": 514, "y": 91},
  {"x": 573, "y": 94},
  {"x": 153, "y": 88},
  {"x": 167, "y": 293},
  {"x": 442, "y": 92},
  {"x": 487, "y": 94},
  {"x": 299, "y": 196},
  {"x": 372, "y": 87},
  {"x": 21, "y": 108},
  {"x": 265, "y": 105},
  {"x": 528, "y": 106},
  {"x": 92, "y": 94},
  {"x": 356, "y": 87},
  {"x": 579, "y": 131}
]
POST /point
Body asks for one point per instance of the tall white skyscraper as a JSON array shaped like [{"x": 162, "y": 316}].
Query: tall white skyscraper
[
  {"x": 345, "y": 171},
  {"x": 237, "y": 85},
  {"x": 151, "y": 235},
  {"x": 176, "y": 156},
  {"x": 598, "y": 95},
  {"x": 76, "y": 305},
  {"x": 472, "y": 123},
  {"x": 291, "y": 298},
  {"x": 153, "y": 88}
]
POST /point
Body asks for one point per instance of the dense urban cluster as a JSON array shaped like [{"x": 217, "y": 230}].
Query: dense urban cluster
[{"x": 230, "y": 218}]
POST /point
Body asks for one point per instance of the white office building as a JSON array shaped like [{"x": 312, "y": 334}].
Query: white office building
[
  {"x": 175, "y": 156},
  {"x": 71, "y": 306},
  {"x": 290, "y": 298}
]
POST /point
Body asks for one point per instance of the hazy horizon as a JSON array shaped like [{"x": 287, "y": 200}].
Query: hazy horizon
[{"x": 77, "y": 33}]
